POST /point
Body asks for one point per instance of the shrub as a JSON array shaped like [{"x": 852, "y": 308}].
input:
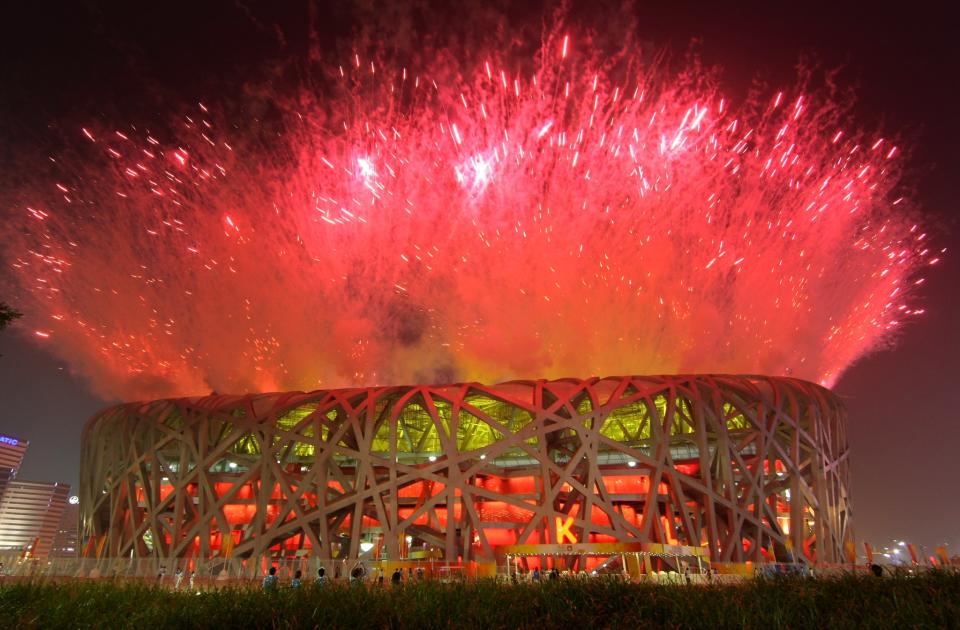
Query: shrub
[{"x": 928, "y": 600}]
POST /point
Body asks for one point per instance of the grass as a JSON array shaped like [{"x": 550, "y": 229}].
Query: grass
[{"x": 931, "y": 600}]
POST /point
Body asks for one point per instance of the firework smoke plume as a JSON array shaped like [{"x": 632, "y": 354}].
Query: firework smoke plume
[{"x": 561, "y": 216}]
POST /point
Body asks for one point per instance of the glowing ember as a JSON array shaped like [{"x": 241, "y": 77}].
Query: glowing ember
[{"x": 412, "y": 227}]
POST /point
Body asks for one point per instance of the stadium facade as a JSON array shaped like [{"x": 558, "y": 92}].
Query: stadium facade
[{"x": 752, "y": 468}]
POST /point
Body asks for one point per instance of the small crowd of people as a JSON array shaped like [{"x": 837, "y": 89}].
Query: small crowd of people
[
  {"x": 378, "y": 576},
  {"x": 178, "y": 577},
  {"x": 271, "y": 581},
  {"x": 535, "y": 575}
]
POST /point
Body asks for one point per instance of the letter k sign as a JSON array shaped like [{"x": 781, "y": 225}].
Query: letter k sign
[{"x": 563, "y": 530}]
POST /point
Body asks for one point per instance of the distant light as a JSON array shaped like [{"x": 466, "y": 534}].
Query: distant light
[
  {"x": 366, "y": 546},
  {"x": 232, "y": 464},
  {"x": 74, "y": 500},
  {"x": 432, "y": 458},
  {"x": 631, "y": 463},
  {"x": 484, "y": 456}
]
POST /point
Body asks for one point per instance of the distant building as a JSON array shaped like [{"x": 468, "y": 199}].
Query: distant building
[
  {"x": 31, "y": 512},
  {"x": 30, "y": 515},
  {"x": 65, "y": 541}
]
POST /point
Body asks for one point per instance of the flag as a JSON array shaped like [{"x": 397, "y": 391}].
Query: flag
[
  {"x": 942, "y": 554},
  {"x": 226, "y": 547},
  {"x": 850, "y": 548},
  {"x": 30, "y": 551},
  {"x": 913, "y": 553},
  {"x": 101, "y": 545},
  {"x": 91, "y": 546}
]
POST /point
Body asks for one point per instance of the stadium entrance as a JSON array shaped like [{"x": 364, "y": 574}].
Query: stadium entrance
[{"x": 633, "y": 558}]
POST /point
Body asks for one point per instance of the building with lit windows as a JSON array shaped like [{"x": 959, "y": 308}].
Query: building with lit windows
[
  {"x": 65, "y": 541},
  {"x": 30, "y": 511},
  {"x": 30, "y": 514}
]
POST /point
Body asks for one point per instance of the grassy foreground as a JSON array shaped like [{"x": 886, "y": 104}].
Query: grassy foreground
[{"x": 928, "y": 601}]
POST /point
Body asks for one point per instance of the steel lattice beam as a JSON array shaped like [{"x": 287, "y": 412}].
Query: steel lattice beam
[{"x": 753, "y": 467}]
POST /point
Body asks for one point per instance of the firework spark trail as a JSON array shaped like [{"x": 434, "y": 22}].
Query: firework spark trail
[{"x": 410, "y": 228}]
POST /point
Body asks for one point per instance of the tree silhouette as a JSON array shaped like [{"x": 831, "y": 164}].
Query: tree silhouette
[{"x": 7, "y": 315}]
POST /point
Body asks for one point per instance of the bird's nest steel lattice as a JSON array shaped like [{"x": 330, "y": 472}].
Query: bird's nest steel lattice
[{"x": 754, "y": 467}]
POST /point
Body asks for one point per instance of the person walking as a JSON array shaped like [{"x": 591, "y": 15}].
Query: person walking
[
  {"x": 397, "y": 577},
  {"x": 193, "y": 576},
  {"x": 536, "y": 574},
  {"x": 356, "y": 576},
  {"x": 270, "y": 581},
  {"x": 177, "y": 578},
  {"x": 321, "y": 577},
  {"x": 296, "y": 579}
]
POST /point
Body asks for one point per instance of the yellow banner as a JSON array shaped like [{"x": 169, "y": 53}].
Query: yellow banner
[
  {"x": 226, "y": 545},
  {"x": 602, "y": 549}
]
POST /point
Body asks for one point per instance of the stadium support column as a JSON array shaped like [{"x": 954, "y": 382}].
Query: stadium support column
[
  {"x": 453, "y": 483},
  {"x": 203, "y": 490},
  {"x": 797, "y": 526},
  {"x": 708, "y": 509},
  {"x": 392, "y": 510},
  {"x": 819, "y": 479}
]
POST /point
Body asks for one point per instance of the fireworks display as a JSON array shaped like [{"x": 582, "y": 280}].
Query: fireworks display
[{"x": 417, "y": 225}]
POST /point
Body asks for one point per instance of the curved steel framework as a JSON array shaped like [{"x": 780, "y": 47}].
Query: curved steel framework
[{"x": 753, "y": 467}]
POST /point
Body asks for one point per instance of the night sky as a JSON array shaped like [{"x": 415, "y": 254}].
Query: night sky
[{"x": 68, "y": 62}]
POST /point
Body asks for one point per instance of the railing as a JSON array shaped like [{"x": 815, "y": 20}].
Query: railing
[
  {"x": 165, "y": 569},
  {"x": 216, "y": 571}
]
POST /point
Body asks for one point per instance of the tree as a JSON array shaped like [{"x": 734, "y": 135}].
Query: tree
[{"x": 7, "y": 315}]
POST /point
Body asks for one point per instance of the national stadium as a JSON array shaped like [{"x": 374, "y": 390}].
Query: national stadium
[{"x": 732, "y": 469}]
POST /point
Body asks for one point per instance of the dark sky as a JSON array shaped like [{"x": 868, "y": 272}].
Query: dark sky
[{"x": 65, "y": 61}]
